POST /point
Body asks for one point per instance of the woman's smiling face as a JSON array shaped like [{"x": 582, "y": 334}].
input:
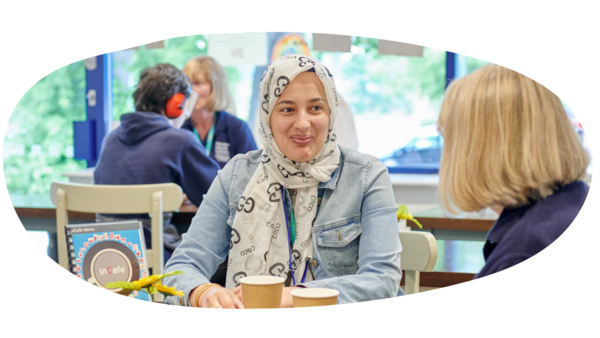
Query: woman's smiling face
[
  {"x": 300, "y": 118},
  {"x": 204, "y": 88}
]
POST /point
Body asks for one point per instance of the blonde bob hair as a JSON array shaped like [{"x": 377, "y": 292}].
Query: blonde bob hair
[
  {"x": 507, "y": 141},
  {"x": 220, "y": 99}
]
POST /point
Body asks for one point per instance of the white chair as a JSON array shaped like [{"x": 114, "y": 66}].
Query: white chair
[
  {"x": 117, "y": 199},
  {"x": 419, "y": 253},
  {"x": 588, "y": 178}
]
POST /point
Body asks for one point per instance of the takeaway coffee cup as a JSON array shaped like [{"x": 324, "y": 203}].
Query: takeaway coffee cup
[
  {"x": 262, "y": 292},
  {"x": 314, "y": 297}
]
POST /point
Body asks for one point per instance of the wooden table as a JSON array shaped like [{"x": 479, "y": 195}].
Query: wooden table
[
  {"x": 430, "y": 216},
  {"x": 44, "y": 219}
]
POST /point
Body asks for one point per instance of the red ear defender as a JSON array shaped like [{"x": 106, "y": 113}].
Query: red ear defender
[{"x": 174, "y": 107}]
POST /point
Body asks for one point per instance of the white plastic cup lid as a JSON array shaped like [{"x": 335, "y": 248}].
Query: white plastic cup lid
[
  {"x": 315, "y": 293},
  {"x": 262, "y": 280}
]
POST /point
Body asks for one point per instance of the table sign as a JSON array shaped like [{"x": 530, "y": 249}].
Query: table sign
[{"x": 101, "y": 253}]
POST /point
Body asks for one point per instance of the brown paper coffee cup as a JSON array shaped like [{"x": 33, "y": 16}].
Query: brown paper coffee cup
[
  {"x": 262, "y": 292},
  {"x": 314, "y": 297}
]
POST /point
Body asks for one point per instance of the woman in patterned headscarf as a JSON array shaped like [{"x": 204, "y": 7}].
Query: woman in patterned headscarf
[{"x": 301, "y": 208}]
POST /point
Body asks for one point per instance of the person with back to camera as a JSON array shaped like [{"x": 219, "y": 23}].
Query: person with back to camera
[
  {"x": 223, "y": 135},
  {"x": 147, "y": 149},
  {"x": 302, "y": 208},
  {"x": 509, "y": 145}
]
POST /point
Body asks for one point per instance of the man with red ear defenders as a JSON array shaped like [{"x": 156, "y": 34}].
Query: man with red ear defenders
[
  {"x": 148, "y": 147},
  {"x": 179, "y": 108}
]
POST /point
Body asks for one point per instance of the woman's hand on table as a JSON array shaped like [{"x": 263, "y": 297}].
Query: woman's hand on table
[
  {"x": 286, "y": 297},
  {"x": 218, "y": 297}
]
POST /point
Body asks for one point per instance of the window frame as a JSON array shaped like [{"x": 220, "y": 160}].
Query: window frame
[{"x": 90, "y": 133}]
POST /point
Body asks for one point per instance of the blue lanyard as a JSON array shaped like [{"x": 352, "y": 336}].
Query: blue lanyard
[
  {"x": 209, "y": 137},
  {"x": 290, "y": 243}
]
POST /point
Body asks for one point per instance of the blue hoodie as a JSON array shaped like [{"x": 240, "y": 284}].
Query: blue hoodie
[{"x": 146, "y": 149}]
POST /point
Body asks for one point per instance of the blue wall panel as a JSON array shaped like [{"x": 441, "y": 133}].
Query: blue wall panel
[
  {"x": 84, "y": 133},
  {"x": 88, "y": 135},
  {"x": 450, "y": 67}
]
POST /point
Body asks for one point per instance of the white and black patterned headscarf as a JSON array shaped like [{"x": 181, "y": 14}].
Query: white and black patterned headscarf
[{"x": 259, "y": 239}]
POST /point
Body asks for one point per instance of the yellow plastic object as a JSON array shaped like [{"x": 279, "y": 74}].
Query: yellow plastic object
[
  {"x": 151, "y": 284},
  {"x": 402, "y": 213}
]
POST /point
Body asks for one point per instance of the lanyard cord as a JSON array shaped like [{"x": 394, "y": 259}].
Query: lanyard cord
[
  {"x": 290, "y": 243},
  {"x": 209, "y": 137}
]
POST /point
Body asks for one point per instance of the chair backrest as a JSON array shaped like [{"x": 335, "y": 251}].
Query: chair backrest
[
  {"x": 117, "y": 199},
  {"x": 419, "y": 253}
]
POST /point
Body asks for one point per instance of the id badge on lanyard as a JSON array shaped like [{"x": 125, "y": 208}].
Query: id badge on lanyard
[{"x": 289, "y": 230}]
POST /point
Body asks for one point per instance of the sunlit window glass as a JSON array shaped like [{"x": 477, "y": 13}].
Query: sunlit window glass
[
  {"x": 395, "y": 101},
  {"x": 128, "y": 64},
  {"x": 38, "y": 146}
]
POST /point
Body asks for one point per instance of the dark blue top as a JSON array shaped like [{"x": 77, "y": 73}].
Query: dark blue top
[
  {"x": 146, "y": 149},
  {"x": 232, "y": 137},
  {"x": 521, "y": 233}
]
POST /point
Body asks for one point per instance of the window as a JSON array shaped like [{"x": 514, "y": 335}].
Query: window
[
  {"x": 395, "y": 101},
  {"x": 38, "y": 146},
  {"x": 128, "y": 64},
  {"x": 582, "y": 136}
]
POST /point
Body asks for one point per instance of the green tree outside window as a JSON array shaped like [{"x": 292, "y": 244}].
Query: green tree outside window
[{"x": 38, "y": 146}]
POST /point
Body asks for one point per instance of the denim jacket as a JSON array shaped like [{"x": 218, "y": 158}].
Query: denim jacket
[{"x": 357, "y": 202}]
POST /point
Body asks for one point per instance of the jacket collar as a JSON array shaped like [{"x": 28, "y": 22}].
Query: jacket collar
[
  {"x": 334, "y": 177},
  {"x": 509, "y": 217},
  {"x": 505, "y": 222},
  {"x": 221, "y": 124}
]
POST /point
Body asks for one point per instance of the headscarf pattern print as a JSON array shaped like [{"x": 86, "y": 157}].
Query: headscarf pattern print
[{"x": 259, "y": 238}]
